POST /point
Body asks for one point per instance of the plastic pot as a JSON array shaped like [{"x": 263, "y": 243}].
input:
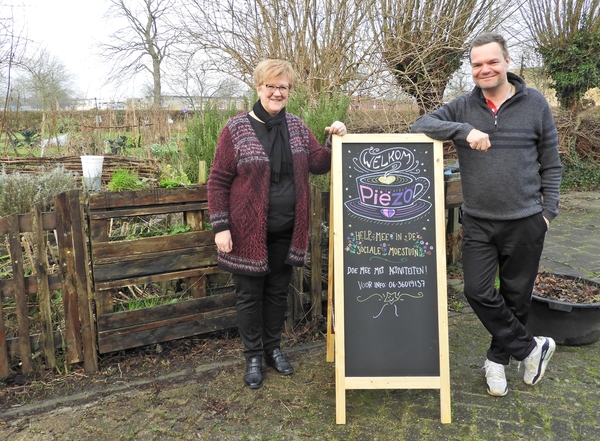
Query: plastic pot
[{"x": 570, "y": 324}]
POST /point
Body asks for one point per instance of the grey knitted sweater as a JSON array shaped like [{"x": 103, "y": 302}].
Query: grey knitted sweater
[{"x": 520, "y": 173}]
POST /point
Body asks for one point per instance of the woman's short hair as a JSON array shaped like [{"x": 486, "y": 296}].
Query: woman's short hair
[
  {"x": 490, "y": 37},
  {"x": 268, "y": 69}
]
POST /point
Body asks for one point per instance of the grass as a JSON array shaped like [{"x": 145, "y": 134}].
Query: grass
[
  {"x": 142, "y": 303},
  {"x": 136, "y": 228}
]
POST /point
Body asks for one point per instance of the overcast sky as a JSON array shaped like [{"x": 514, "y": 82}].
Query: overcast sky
[{"x": 70, "y": 29}]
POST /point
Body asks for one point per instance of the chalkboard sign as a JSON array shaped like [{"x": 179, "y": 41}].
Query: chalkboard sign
[{"x": 390, "y": 306}]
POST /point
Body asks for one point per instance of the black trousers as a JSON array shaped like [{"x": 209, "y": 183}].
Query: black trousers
[
  {"x": 513, "y": 247},
  {"x": 261, "y": 301}
]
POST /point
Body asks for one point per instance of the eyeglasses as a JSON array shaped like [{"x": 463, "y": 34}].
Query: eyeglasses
[{"x": 282, "y": 89}]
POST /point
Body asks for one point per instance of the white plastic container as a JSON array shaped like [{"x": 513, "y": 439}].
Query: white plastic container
[{"x": 92, "y": 172}]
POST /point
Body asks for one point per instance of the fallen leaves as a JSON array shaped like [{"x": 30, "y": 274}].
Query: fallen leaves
[{"x": 566, "y": 288}]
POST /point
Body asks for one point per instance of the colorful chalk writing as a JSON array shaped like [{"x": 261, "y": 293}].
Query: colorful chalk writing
[
  {"x": 389, "y": 187},
  {"x": 386, "y": 192}
]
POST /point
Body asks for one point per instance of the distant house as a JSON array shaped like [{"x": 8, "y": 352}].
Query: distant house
[
  {"x": 112, "y": 105},
  {"x": 173, "y": 102}
]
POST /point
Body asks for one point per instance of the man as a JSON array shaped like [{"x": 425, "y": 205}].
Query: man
[{"x": 510, "y": 167}]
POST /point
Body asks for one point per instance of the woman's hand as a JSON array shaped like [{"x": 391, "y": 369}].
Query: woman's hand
[
  {"x": 223, "y": 241},
  {"x": 337, "y": 128}
]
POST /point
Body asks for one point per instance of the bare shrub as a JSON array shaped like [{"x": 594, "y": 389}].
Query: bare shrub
[{"x": 18, "y": 191}]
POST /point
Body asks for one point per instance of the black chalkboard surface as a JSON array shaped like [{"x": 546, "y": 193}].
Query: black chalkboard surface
[{"x": 389, "y": 264}]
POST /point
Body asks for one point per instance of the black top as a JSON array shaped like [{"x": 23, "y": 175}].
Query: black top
[{"x": 282, "y": 196}]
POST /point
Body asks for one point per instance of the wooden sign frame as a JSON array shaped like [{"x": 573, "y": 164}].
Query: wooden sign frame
[{"x": 351, "y": 147}]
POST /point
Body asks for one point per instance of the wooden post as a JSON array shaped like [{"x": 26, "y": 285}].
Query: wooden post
[
  {"x": 41, "y": 274},
  {"x": 69, "y": 288},
  {"x": 197, "y": 284},
  {"x": 98, "y": 231},
  {"x": 82, "y": 283},
  {"x": 16, "y": 257},
  {"x": 295, "y": 309},
  {"x": 4, "y": 368},
  {"x": 453, "y": 201},
  {"x": 316, "y": 300},
  {"x": 202, "y": 173},
  {"x": 330, "y": 354}
]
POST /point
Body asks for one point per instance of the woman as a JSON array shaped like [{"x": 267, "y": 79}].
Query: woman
[{"x": 258, "y": 199}]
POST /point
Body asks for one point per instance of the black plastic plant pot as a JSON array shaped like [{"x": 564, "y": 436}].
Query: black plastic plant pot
[{"x": 569, "y": 324}]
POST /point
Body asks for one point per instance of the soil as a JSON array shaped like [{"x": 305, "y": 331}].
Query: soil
[
  {"x": 137, "y": 365},
  {"x": 566, "y": 289}
]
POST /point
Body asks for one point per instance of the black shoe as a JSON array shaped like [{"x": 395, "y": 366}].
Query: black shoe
[
  {"x": 279, "y": 363},
  {"x": 253, "y": 375}
]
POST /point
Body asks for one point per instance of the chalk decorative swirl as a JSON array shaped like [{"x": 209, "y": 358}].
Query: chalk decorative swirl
[{"x": 389, "y": 299}]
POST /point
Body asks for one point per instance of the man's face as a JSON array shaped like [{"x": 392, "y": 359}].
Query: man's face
[{"x": 488, "y": 66}]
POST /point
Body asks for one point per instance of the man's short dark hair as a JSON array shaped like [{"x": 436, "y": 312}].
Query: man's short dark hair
[{"x": 487, "y": 38}]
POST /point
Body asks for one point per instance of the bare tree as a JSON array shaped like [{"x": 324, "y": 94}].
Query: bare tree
[
  {"x": 192, "y": 77},
  {"x": 567, "y": 36},
  {"x": 325, "y": 40},
  {"x": 13, "y": 46},
  {"x": 143, "y": 45},
  {"x": 12, "y": 50},
  {"x": 554, "y": 21},
  {"x": 47, "y": 81},
  {"x": 423, "y": 42}
]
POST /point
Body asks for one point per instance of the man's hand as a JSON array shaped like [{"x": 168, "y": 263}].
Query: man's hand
[{"x": 478, "y": 140}]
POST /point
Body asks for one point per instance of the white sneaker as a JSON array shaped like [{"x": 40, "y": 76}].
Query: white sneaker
[
  {"x": 536, "y": 362},
  {"x": 496, "y": 380}
]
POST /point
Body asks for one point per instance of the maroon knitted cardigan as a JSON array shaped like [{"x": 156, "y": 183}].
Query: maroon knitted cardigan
[{"x": 238, "y": 192}]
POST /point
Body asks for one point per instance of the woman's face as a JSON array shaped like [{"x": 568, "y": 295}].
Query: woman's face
[{"x": 273, "y": 94}]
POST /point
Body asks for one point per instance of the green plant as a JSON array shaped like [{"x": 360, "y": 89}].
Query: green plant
[
  {"x": 29, "y": 137},
  {"x": 176, "y": 230},
  {"x": 320, "y": 113},
  {"x": 580, "y": 175},
  {"x": 456, "y": 306},
  {"x": 167, "y": 152},
  {"x": 568, "y": 63},
  {"x": 204, "y": 129},
  {"x": 125, "y": 179},
  {"x": 118, "y": 144},
  {"x": 202, "y": 134},
  {"x": 171, "y": 177}
]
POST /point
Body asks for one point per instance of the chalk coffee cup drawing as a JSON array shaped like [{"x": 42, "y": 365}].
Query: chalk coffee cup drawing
[{"x": 390, "y": 191}]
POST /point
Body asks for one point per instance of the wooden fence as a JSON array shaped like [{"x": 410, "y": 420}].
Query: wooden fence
[
  {"x": 190, "y": 255},
  {"x": 90, "y": 269},
  {"x": 69, "y": 274}
]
